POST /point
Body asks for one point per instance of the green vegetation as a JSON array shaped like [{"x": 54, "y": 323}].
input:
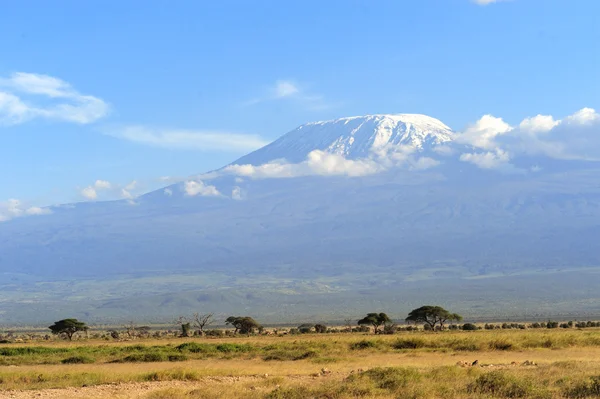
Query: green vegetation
[
  {"x": 376, "y": 320},
  {"x": 432, "y": 316},
  {"x": 68, "y": 327}
]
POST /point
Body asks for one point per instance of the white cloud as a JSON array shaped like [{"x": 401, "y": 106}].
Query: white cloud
[
  {"x": 487, "y": 160},
  {"x": 585, "y": 116},
  {"x": 89, "y": 193},
  {"x": 291, "y": 91},
  {"x": 189, "y": 139},
  {"x": 285, "y": 88},
  {"x": 62, "y": 101},
  {"x": 168, "y": 192},
  {"x": 197, "y": 187},
  {"x": 110, "y": 190},
  {"x": 102, "y": 185},
  {"x": 576, "y": 137},
  {"x": 125, "y": 194},
  {"x": 14, "y": 208},
  {"x": 483, "y": 132},
  {"x": 131, "y": 185},
  {"x": 236, "y": 193},
  {"x": 538, "y": 124},
  {"x": 321, "y": 163}
]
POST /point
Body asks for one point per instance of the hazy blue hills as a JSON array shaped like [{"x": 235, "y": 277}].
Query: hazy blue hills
[{"x": 331, "y": 236}]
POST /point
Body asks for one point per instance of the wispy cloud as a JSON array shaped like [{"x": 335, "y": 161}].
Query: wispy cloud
[
  {"x": 20, "y": 100},
  {"x": 290, "y": 90},
  {"x": 14, "y": 208},
  {"x": 201, "y": 140},
  {"x": 486, "y": 2}
]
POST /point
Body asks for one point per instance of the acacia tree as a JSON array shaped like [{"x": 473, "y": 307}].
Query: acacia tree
[
  {"x": 432, "y": 316},
  {"x": 201, "y": 321},
  {"x": 68, "y": 327},
  {"x": 243, "y": 325},
  {"x": 375, "y": 319}
]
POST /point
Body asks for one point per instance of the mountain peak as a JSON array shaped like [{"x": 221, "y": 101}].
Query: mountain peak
[{"x": 354, "y": 137}]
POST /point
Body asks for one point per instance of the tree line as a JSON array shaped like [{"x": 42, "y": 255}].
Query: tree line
[{"x": 433, "y": 318}]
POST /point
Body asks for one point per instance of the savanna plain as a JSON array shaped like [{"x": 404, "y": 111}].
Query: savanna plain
[{"x": 486, "y": 363}]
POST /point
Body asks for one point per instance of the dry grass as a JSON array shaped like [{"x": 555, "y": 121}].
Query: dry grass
[{"x": 419, "y": 365}]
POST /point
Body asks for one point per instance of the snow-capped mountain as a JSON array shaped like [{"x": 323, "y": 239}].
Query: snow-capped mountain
[
  {"x": 318, "y": 227},
  {"x": 354, "y": 137}
]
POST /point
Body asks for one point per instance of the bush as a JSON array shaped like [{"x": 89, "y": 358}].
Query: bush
[
  {"x": 390, "y": 378},
  {"x": 585, "y": 389},
  {"x": 364, "y": 344},
  {"x": 500, "y": 345},
  {"x": 552, "y": 324},
  {"x": 409, "y": 343},
  {"x": 320, "y": 328},
  {"x": 305, "y": 328},
  {"x": 469, "y": 327},
  {"x": 144, "y": 358},
  {"x": 230, "y": 348},
  {"x": 214, "y": 333},
  {"x": 500, "y": 385},
  {"x": 283, "y": 355},
  {"x": 195, "y": 347},
  {"x": 177, "y": 357},
  {"x": 78, "y": 360}
]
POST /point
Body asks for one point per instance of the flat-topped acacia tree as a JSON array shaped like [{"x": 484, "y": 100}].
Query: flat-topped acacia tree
[
  {"x": 68, "y": 327},
  {"x": 375, "y": 319},
  {"x": 243, "y": 325},
  {"x": 432, "y": 316}
]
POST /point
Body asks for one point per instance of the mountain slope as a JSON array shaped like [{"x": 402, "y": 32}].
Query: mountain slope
[
  {"x": 354, "y": 137},
  {"x": 281, "y": 240}
]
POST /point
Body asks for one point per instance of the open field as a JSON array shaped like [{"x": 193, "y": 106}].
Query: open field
[{"x": 557, "y": 363}]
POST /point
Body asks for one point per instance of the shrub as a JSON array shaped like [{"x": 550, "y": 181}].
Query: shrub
[
  {"x": 585, "y": 389},
  {"x": 364, "y": 344},
  {"x": 305, "y": 328},
  {"x": 320, "y": 328},
  {"x": 230, "y": 348},
  {"x": 500, "y": 385},
  {"x": 552, "y": 324},
  {"x": 469, "y": 327},
  {"x": 78, "y": 360},
  {"x": 177, "y": 357},
  {"x": 144, "y": 357},
  {"x": 283, "y": 355},
  {"x": 391, "y": 378},
  {"x": 500, "y": 345},
  {"x": 409, "y": 343},
  {"x": 195, "y": 347},
  {"x": 214, "y": 333}
]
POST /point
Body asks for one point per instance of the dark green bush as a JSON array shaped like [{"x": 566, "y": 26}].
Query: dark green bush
[
  {"x": 144, "y": 358},
  {"x": 78, "y": 360},
  {"x": 230, "y": 348},
  {"x": 195, "y": 347},
  {"x": 409, "y": 343},
  {"x": 469, "y": 327},
  {"x": 364, "y": 344}
]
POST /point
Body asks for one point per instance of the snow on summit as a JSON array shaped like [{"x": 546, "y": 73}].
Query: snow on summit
[{"x": 354, "y": 137}]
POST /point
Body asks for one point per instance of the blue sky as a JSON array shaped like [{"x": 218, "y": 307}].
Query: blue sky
[{"x": 134, "y": 91}]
